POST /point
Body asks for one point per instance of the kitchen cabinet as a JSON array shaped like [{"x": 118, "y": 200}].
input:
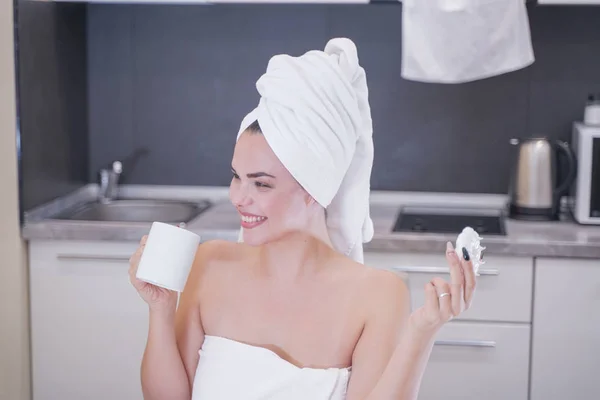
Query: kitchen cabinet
[
  {"x": 499, "y": 276},
  {"x": 88, "y": 324},
  {"x": 566, "y": 331},
  {"x": 478, "y": 361},
  {"x": 484, "y": 353}
]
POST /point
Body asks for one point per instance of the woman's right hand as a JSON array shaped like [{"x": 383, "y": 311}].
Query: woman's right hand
[{"x": 157, "y": 298}]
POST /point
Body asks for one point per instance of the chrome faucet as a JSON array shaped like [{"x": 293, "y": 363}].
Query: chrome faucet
[
  {"x": 109, "y": 182},
  {"x": 109, "y": 177}
]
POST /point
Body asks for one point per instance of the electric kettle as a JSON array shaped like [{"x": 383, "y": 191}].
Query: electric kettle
[{"x": 534, "y": 192}]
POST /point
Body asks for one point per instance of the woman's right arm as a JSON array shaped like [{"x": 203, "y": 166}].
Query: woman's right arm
[{"x": 174, "y": 337}]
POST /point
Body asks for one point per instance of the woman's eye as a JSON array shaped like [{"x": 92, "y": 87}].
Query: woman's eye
[
  {"x": 235, "y": 176},
  {"x": 262, "y": 185}
]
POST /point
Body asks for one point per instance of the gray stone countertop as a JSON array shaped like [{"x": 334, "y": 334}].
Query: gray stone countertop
[{"x": 563, "y": 238}]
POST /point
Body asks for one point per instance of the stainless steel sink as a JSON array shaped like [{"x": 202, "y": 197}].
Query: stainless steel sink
[{"x": 137, "y": 211}]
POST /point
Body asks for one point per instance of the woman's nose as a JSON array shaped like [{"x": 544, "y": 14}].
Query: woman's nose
[{"x": 239, "y": 195}]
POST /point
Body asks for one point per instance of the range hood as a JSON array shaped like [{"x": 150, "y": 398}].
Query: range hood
[
  {"x": 569, "y": 2},
  {"x": 292, "y": 1},
  {"x": 208, "y": 2}
]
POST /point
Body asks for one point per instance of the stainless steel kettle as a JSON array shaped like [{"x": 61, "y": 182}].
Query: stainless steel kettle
[{"x": 534, "y": 192}]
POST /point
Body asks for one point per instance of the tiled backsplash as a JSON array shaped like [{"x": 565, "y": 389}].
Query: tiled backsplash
[
  {"x": 52, "y": 91},
  {"x": 177, "y": 80}
]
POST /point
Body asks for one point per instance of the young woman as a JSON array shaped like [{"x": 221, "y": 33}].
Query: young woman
[{"x": 292, "y": 312}]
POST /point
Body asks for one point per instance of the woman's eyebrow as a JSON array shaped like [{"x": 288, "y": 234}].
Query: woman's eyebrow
[
  {"x": 259, "y": 174},
  {"x": 255, "y": 174}
]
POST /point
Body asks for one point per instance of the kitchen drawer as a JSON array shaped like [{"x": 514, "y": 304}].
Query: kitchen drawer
[
  {"x": 504, "y": 288},
  {"x": 478, "y": 361}
]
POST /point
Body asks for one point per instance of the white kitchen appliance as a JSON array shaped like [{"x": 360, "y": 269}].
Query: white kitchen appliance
[{"x": 585, "y": 192}]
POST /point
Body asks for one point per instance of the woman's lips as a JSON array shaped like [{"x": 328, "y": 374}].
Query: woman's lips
[{"x": 250, "y": 221}]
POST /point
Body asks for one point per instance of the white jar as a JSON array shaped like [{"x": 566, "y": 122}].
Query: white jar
[{"x": 591, "y": 115}]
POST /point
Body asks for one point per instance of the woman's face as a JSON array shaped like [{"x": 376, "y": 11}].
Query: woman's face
[{"x": 269, "y": 200}]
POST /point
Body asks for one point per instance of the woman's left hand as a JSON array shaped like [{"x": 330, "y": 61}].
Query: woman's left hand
[{"x": 444, "y": 301}]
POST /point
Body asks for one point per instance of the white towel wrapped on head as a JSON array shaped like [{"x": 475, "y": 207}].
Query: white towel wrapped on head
[{"x": 314, "y": 113}]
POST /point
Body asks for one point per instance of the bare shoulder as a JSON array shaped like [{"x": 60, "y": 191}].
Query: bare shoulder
[
  {"x": 385, "y": 303},
  {"x": 214, "y": 256},
  {"x": 211, "y": 253},
  {"x": 378, "y": 282},
  {"x": 221, "y": 251},
  {"x": 388, "y": 291},
  {"x": 379, "y": 289}
]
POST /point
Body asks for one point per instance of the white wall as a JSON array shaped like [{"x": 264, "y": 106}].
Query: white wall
[{"x": 14, "y": 319}]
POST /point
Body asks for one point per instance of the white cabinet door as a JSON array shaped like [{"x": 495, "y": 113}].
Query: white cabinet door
[
  {"x": 478, "y": 361},
  {"x": 89, "y": 326},
  {"x": 566, "y": 330},
  {"x": 504, "y": 289}
]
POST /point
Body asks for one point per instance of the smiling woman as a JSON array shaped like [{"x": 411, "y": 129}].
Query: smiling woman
[
  {"x": 292, "y": 312},
  {"x": 270, "y": 201}
]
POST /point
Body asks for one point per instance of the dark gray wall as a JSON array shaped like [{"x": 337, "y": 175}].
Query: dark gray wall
[
  {"x": 52, "y": 99},
  {"x": 178, "y": 80}
]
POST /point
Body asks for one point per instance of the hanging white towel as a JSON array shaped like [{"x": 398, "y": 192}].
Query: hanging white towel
[
  {"x": 456, "y": 41},
  {"x": 314, "y": 113}
]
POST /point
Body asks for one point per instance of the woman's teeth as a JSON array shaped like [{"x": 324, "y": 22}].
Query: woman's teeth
[{"x": 252, "y": 219}]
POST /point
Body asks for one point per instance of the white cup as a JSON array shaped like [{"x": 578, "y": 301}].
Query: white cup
[{"x": 168, "y": 256}]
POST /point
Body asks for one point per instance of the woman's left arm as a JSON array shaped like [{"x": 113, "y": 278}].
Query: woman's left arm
[{"x": 384, "y": 370}]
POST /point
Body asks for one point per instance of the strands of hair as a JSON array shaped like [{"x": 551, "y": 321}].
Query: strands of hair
[{"x": 254, "y": 128}]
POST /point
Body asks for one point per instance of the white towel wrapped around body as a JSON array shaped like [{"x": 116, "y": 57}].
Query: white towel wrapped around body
[{"x": 314, "y": 113}]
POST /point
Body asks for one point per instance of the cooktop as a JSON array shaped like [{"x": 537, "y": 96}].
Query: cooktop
[{"x": 450, "y": 220}]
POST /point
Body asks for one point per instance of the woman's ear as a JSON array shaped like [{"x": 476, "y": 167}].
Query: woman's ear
[
  {"x": 314, "y": 207},
  {"x": 309, "y": 200}
]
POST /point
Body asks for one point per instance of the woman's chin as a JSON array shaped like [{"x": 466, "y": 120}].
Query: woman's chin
[
  {"x": 252, "y": 238},
  {"x": 260, "y": 236},
  {"x": 252, "y": 242}
]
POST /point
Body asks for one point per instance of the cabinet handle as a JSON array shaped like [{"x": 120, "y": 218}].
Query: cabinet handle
[
  {"x": 92, "y": 257},
  {"x": 440, "y": 270},
  {"x": 466, "y": 343}
]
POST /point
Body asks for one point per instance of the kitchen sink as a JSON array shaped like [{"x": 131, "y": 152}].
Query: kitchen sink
[{"x": 136, "y": 210}]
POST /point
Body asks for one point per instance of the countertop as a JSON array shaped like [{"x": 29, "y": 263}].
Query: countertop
[{"x": 563, "y": 238}]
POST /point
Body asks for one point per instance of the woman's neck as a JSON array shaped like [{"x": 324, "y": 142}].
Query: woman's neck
[{"x": 297, "y": 254}]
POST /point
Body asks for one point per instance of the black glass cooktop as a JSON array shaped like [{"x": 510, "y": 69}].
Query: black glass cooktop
[{"x": 450, "y": 220}]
